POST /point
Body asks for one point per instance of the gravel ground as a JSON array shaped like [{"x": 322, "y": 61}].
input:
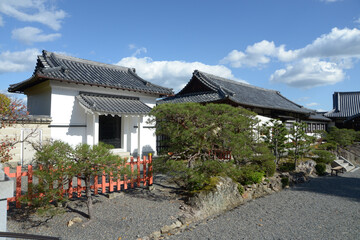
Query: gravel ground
[
  {"x": 323, "y": 208},
  {"x": 131, "y": 215}
]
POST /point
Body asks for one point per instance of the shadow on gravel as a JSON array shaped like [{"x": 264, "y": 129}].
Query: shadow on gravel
[
  {"x": 23, "y": 215},
  {"x": 163, "y": 189},
  {"x": 339, "y": 186}
]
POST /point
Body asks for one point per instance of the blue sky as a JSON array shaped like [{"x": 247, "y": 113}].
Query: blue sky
[{"x": 306, "y": 49}]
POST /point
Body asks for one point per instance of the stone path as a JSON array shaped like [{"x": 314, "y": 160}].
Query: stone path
[{"x": 323, "y": 208}]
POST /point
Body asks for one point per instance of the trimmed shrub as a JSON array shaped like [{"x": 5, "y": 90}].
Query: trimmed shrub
[
  {"x": 327, "y": 146},
  {"x": 320, "y": 169},
  {"x": 269, "y": 167},
  {"x": 287, "y": 167},
  {"x": 324, "y": 156},
  {"x": 285, "y": 181},
  {"x": 251, "y": 174},
  {"x": 202, "y": 176}
]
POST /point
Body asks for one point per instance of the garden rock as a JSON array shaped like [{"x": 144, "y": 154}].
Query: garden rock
[
  {"x": 307, "y": 167},
  {"x": 225, "y": 196}
]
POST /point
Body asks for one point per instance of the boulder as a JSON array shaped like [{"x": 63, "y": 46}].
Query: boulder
[
  {"x": 225, "y": 196},
  {"x": 307, "y": 167}
]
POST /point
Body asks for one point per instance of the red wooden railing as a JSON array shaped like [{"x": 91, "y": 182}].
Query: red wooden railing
[
  {"x": 145, "y": 179},
  {"x": 222, "y": 155}
]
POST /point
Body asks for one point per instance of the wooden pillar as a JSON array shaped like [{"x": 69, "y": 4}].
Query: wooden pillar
[{"x": 139, "y": 136}]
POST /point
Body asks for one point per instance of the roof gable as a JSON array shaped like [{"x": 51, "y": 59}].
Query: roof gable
[
  {"x": 345, "y": 105},
  {"x": 240, "y": 93},
  {"x": 104, "y": 104},
  {"x": 59, "y": 67}
]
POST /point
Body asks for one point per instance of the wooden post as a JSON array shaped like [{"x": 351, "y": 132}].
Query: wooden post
[
  {"x": 78, "y": 186},
  {"x": 18, "y": 186},
  {"x": 118, "y": 182},
  {"x": 103, "y": 183},
  {"x": 70, "y": 188},
  {"x": 96, "y": 182},
  {"x": 144, "y": 171},
  {"x": 125, "y": 182},
  {"x": 150, "y": 170},
  {"x": 138, "y": 171},
  {"x": 132, "y": 172},
  {"x": 111, "y": 182}
]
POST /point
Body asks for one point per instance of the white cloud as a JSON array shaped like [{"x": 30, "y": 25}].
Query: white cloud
[
  {"x": 336, "y": 45},
  {"x": 172, "y": 74},
  {"x": 303, "y": 99},
  {"x": 139, "y": 51},
  {"x": 18, "y": 61},
  {"x": 357, "y": 21},
  {"x": 29, "y": 35},
  {"x": 132, "y": 46},
  {"x": 339, "y": 43},
  {"x": 40, "y": 11},
  {"x": 1, "y": 22},
  {"x": 312, "y": 104},
  {"x": 309, "y": 73},
  {"x": 258, "y": 54},
  {"x": 321, "y": 62},
  {"x": 330, "y": 1}
]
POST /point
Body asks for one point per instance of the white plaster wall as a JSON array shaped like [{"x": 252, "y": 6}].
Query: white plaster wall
[
  {"x": 23, "y": 152},
  {"x": 262, "y": 119},
  {"x": 39, "y": 99},
  {"x": 65, "y": 111}
]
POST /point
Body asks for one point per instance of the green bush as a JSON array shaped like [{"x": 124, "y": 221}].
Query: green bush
[
  {"x": 285, "y": 181},
  {"x": 241, "y": 189},
  {"x": 321, "y": 168},
  {"x": 202, "y": 176},
  {"x": 269, "y": 167},
  {"x": 324, "y": 156},
  {"x": 287, "y": 167},
  {"x": 327, "y": 146},
  {"x": 251, "y": 174}
]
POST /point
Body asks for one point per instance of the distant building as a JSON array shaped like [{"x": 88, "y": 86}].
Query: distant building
[
  {"x": 268, "y": 104},
  {"x": 346, "y": 110},
  {"x": 89, "y": 102},
  {"x": 208, "y": 88}
]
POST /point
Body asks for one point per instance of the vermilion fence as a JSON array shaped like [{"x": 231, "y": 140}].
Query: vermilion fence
[
  {"x": 107, "y": 184},
  {"x": 222, "y": 155}
]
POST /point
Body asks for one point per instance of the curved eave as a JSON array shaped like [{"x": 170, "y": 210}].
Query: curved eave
[
  {"x": 36, "y": 79},
  {"x": 268, "y": 108},
  {"x": 100, "y": 112}
]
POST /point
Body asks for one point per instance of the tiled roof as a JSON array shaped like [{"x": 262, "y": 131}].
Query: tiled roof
[
  {"x": 112, "y": 104},
  {"x": 241, "y": 93},
  {"x": 319, "y": 117},
  {"x": 65, "y": 68},
  {"x": 345, "y": 105},
  {"x": 192, "y": 97}
]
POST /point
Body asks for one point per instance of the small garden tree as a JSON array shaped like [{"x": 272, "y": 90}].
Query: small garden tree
[
  {"x": 90, "y": 161},
  {"x": 10, "y": 110},
  {"x": 341, "y": 137},
  {"x": 60, "y": 163},
  {"x": 196, "y": 131},
  {"x": 299, "y": 141},
  {"x": 275, "y": 136},
  {"x": 52, "y": 162}
]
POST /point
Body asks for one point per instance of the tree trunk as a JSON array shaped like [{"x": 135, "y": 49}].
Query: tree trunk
[{"x": 88, "y": 197}]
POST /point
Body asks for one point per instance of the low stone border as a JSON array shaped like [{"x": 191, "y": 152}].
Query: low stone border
[{"x": 225, "y": 197}]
